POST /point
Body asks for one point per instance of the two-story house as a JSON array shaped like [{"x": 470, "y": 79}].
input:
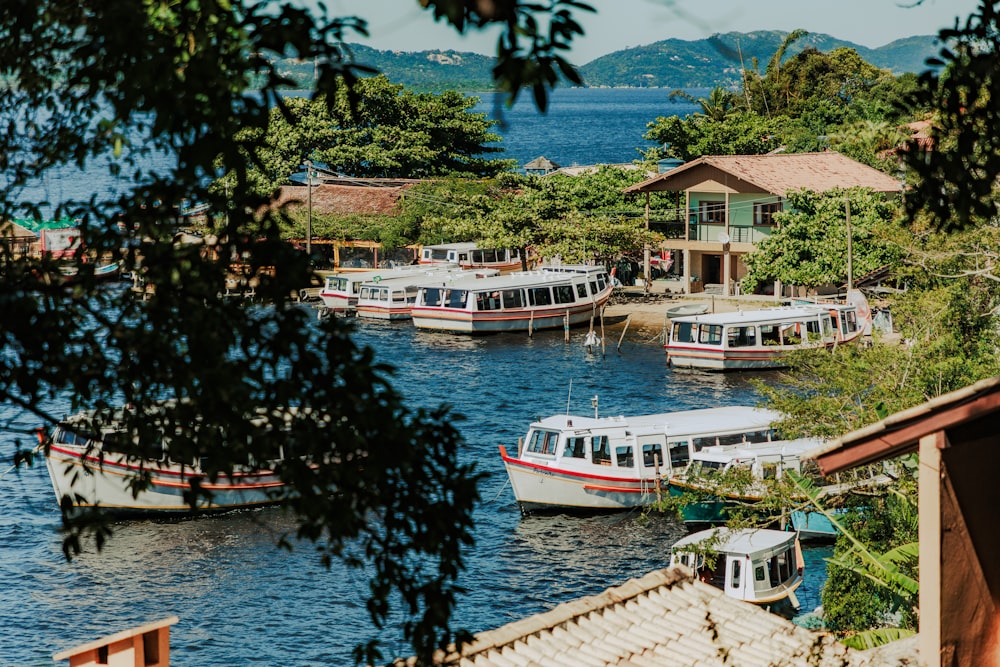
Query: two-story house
[{"x": 730, "y": 202}]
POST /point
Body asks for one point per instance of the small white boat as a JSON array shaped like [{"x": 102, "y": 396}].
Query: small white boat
[
  {"x": 341, "y": 290},
  {"x": 755, "y": 339},
  {"x": 754, "y": 564},
  {"x": 525, "y": 301},
  {"x": 469, "y": 256},
  {"x": 393, "y": 298},
  {"x": 613, "y": 463},
  {"x": 85, "y": 467},
  {"x": 687, "y": 309}
]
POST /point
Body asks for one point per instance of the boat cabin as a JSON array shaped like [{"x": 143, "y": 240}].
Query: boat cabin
[
  {"x": 468, "y": 255},
  {"x": 755, "y": 565},
  {"x": 748, "y": 339},
  {"x": 763, "y": 461}
]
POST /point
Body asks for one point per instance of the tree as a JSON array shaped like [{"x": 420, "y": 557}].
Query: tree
[
  {"x": 809, "y": 247},
  {"x": 118, "y": 81},
  {"x": 380, "y": 130}
]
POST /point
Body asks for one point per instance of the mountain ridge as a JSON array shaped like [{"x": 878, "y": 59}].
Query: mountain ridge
[{"x": 669, "y": 63}]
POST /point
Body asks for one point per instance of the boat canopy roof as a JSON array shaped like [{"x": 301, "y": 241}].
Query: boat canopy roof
[
  {"x": 725, "y": 454},
  {"x": 757, "y": 543},
  {"x": 508, "y": 281},
  {"x": 762, "y": 316},
  {"x": 465, "y": 245},
  {"x": 685, "y": 422}
]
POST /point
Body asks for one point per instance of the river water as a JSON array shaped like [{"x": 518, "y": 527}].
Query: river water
[{"x": 243, "y": 601}]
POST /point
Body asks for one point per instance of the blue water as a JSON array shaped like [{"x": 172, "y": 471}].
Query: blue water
[
  {"x": 582, "y": 125},
  {"x": 242, "y": 601}
]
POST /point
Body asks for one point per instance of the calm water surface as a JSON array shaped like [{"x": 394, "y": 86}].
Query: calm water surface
[{"x": 243, "y": 601}]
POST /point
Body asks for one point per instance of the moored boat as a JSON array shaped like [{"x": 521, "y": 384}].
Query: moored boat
[
  {"x": 752, "y": 339},
  {"x": 613, "y": 463},
  {"x": 756, "y": 565},
  {"x": 393, "y": 298},
  {"x": 86, "y": 468},
  {"x": 525, "y": 301},
  {"x": 724, "y": 476},
  {"x": 341, "y": 290},
  {"x": 470, "y": 256}
]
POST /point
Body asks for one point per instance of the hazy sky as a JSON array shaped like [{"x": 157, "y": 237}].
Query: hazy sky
[{"x": 619, "y": 24}]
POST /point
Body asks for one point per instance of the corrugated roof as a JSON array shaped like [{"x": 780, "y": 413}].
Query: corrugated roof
[
  {"x": 666, "y": 618},
  {"x": 345, "y": 199},
  {"x": 778, "y": 173}
]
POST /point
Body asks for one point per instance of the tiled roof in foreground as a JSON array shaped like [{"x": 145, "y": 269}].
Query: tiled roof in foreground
[{"x": 666, "y": 618}]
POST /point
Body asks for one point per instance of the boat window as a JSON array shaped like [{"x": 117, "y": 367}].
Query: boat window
[
  {"x": 594, "y": 289},
  {"x": 543, "y": 442},
  {"x": 759, "y": 574},
  {"x": 575, "y": 447},
  {"x": 539, "y": 296},
  {"x": 758, "y": 436},
  {"x": 828, "y": 329},
  {"x": 652, "y": 455},
  {"x": 581, "y": 290},
  {"x": 710, "y": 334},
  {"x": 366, "y": 292},
  {"x": 399, "y": 297},
  {"x": 779, "y": 568},
  {"x": 709, "y": 466},
  {"x": 455, "y": 298},
  {"x": 513, "y": 298},
  {"x": 734, "y": 577},
  {"x": 487, "y": 300},
  {"x": 769, "y": 334},
  {"x": 68, "y": 437},
  {"x": 741, "y": 336},
  {"x": 683, "y": 332},
  {"x": 564, "y": 294},
  {"x": 680, "y": 454},
  {"x": 432, "y": 296},
  {"x": 600, "y": 450},
  {"x": 813, "y": 329},
  {"x": 850, "y": 321},
  {"x": 602, "y": 282},
  {"x": 624, "y": 456},
  {"x": 436, "y": 254}
]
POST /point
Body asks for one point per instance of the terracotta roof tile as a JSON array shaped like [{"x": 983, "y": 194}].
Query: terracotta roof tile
[
  {"x": 345, "y": 199},
  {"x": 775, "y": 174}
]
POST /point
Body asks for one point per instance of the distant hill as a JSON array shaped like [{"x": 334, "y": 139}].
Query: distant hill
[
  {"x": 671, "y": 63},
  {"x": 716, "y": 61}
]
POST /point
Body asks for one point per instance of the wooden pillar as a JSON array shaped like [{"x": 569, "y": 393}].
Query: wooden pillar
[
  {"x": 929, "y": 506},
  {"x": 645, "y": 254},
  {"x": 687, "y": 271}
]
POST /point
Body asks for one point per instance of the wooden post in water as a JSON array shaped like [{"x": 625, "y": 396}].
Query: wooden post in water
[
  {"x": 628, "y": 320},
  {"x": 566, "y": 327},
  {"x": 604, "y": 346},
  {"x": 531, "y": 323}
]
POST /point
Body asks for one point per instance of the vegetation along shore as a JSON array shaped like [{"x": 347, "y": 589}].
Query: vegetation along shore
[{"x": 810, "y": 169}]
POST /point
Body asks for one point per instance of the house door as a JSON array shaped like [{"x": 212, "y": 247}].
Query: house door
[{"x": 711, "y": 269}]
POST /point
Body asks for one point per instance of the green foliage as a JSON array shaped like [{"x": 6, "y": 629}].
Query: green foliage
[
  {"x": 194, "y": 83},
  {"x": 379, "y": 130},
  {"x": 957, "y": 180},
  {"x": 738, "y": 133},
  {"x": 809, "y": 248}
]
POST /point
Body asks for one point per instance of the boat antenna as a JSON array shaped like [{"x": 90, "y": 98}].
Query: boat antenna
[
  {"x": 593, "y": 403},
  {"x": 569, "y": 395}
]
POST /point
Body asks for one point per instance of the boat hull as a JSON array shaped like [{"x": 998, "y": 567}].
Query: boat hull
[
  {"x": 725, "y": 360},
  {"x": 541, "y": 488},
  {"x": 92, "y": 480},
  {"x": 456, "y": 321},
  {"x": 379, "y": 313}
]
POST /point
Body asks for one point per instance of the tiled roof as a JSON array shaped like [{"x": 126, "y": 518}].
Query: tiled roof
[
  {"x": 345, "y": 199},
  {"x": 666, "y": 618},
  {"x": 776, "y": 174}
]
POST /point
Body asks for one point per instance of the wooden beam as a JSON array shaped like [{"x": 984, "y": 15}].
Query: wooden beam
[{"x": 929, "y": 506}]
